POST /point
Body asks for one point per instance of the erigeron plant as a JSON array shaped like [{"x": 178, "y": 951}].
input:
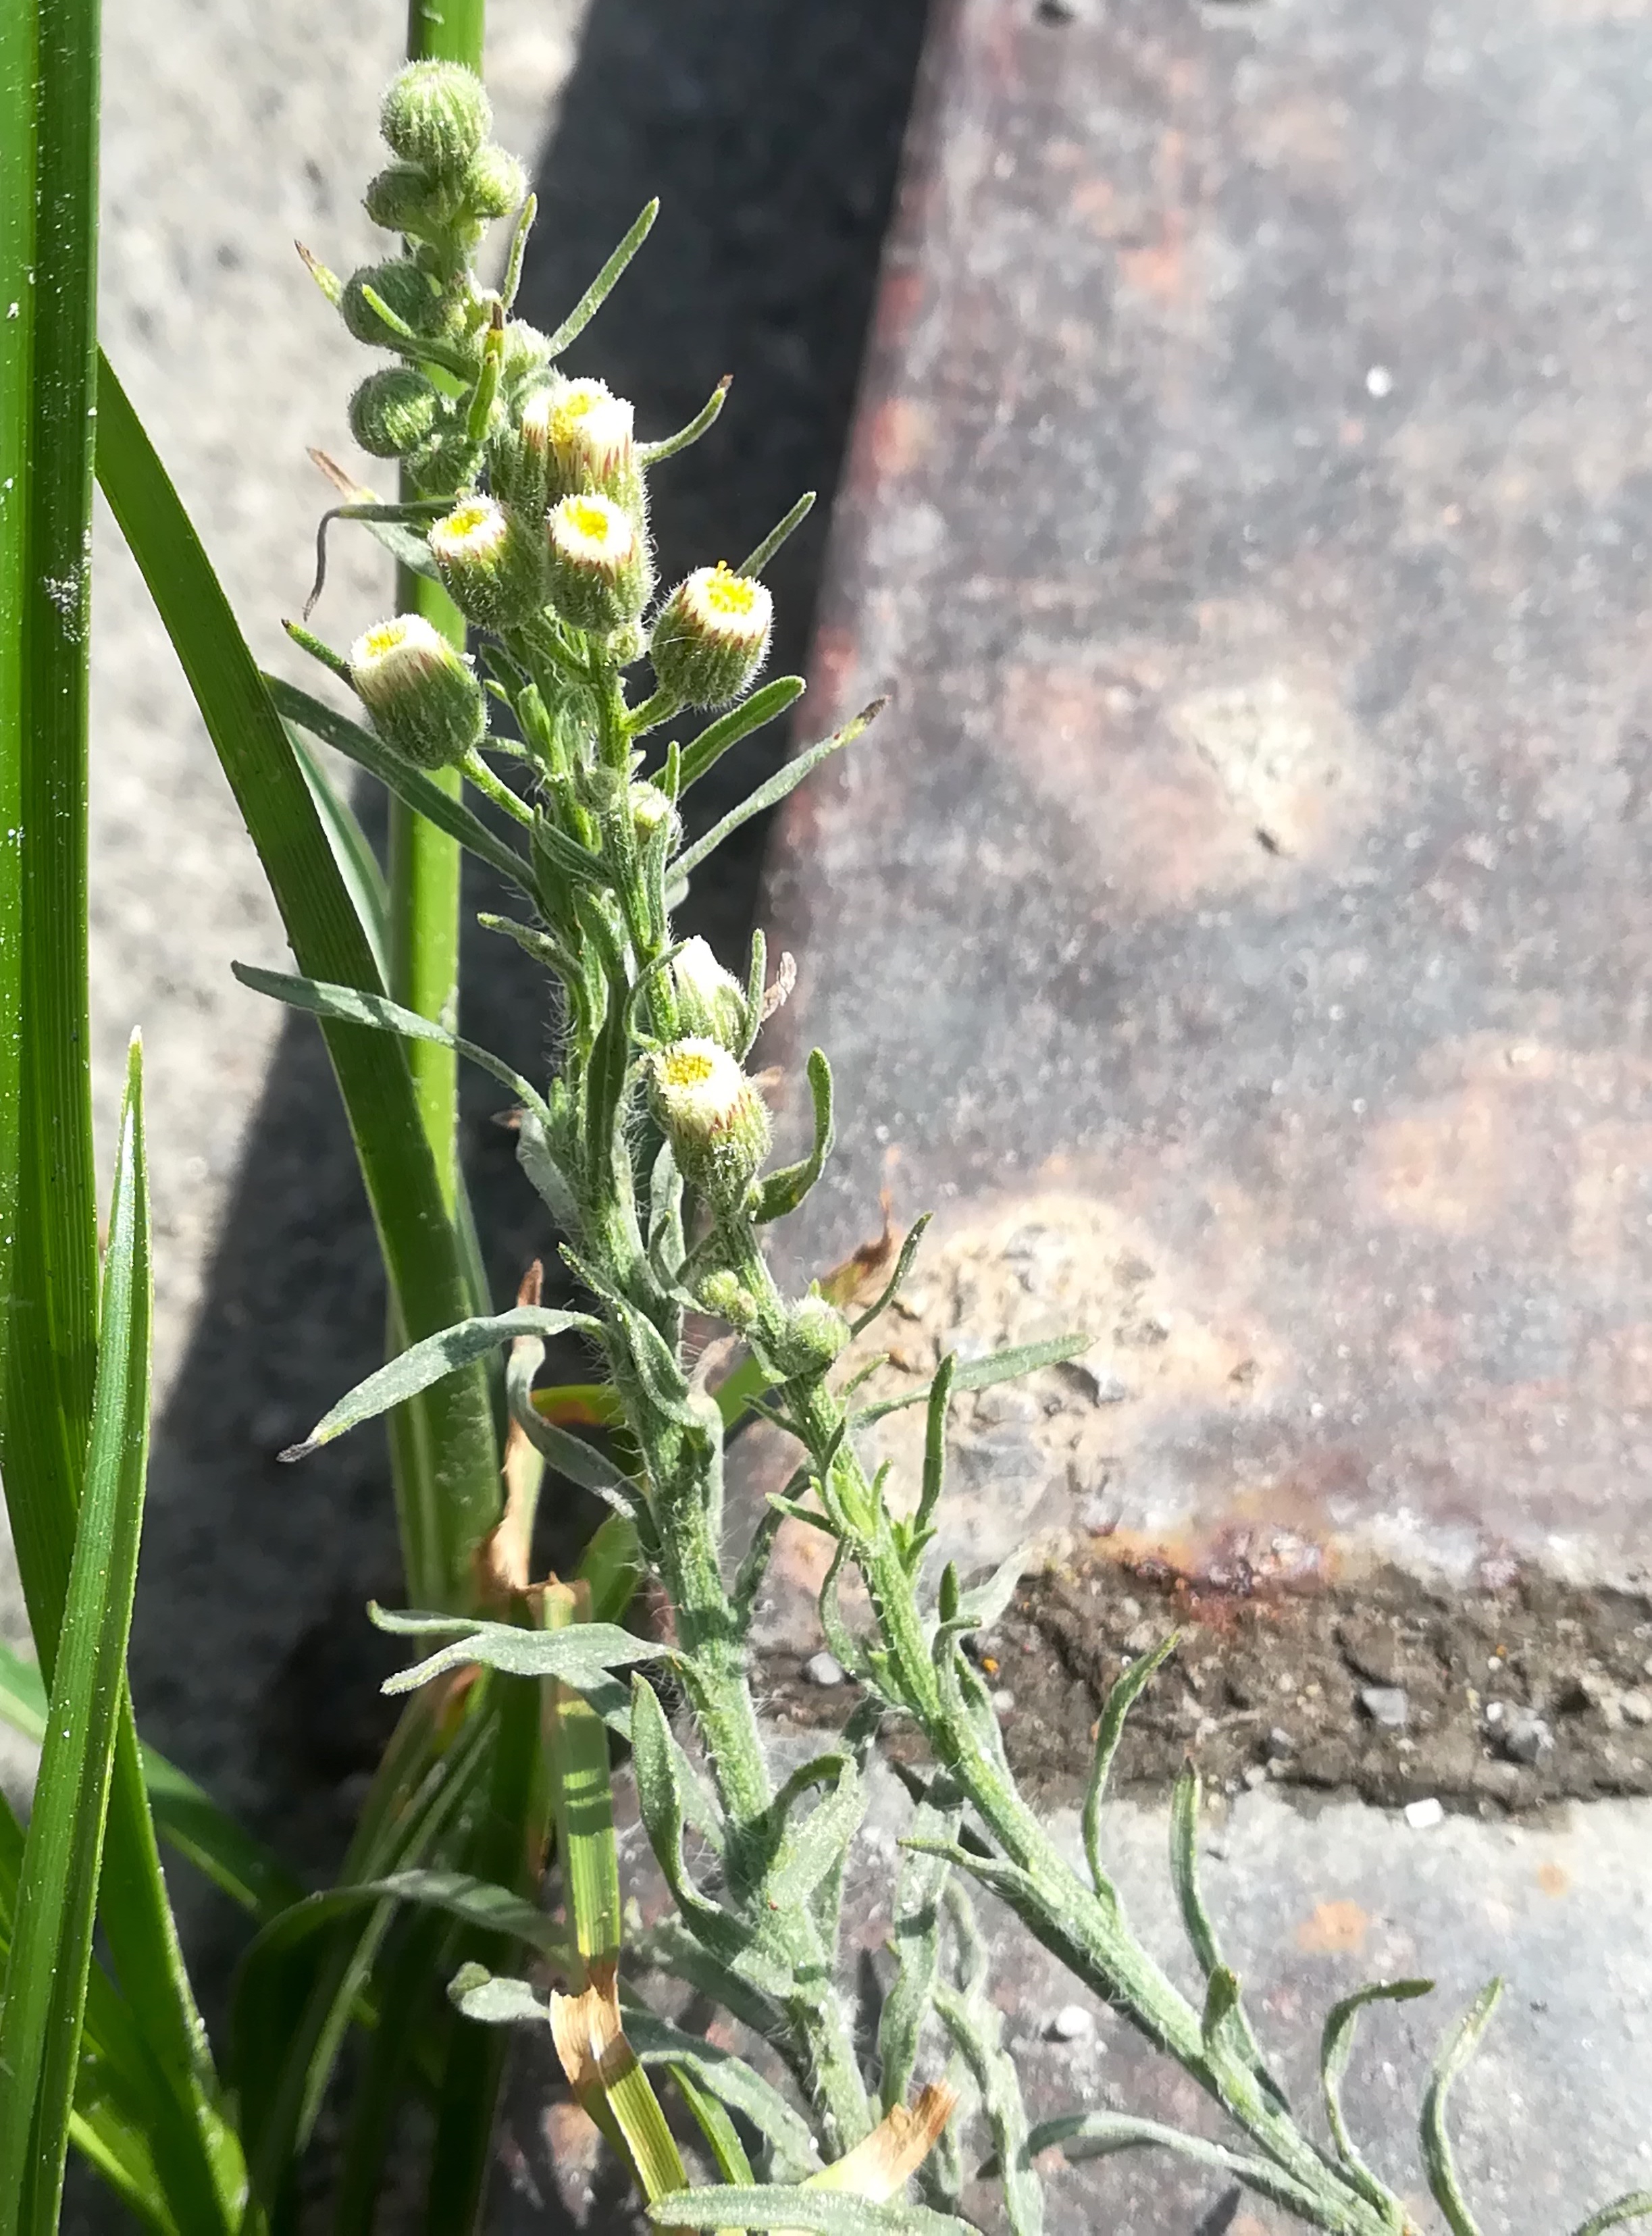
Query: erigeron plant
[{"x": 650, "y": 1148}]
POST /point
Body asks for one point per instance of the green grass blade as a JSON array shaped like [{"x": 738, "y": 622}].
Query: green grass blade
[
  {"x": 443, "y": 1516},
  {"x": 186, "y": 1816},
  {"x": 51, "y": 1952},
  {"x": 351, "y": 851}
]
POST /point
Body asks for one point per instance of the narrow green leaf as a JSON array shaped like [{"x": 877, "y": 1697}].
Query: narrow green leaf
[
  {"x": 976, "y": 2026},
  {"x": 581, "y": 1793},
  {"x": 51, "y": 1948},
  {"x": 1635, "y": 2205},
  {"x": 755, "y": 561},
  {"x": 358, "y": 864},
  {"x": 833, "y": 2213},
  {"x": 603, "y": 285},
  {"x": 722, "y": 2137},
  {"x": 763, "y": 707},
  {"x": 444, "y": 1516},
  {"x": 186, "y": 1816},
  {"x": 980, "y": 1373},
  {"x": 580, "y": 1657},
  {"x": 1081, "y": 2136},
  {"x": 1441, "y": 2167},
  {"x": 1202, "y": 1933},
  {"x": 915, "y": 1937},
  {"x": 1336, "y": 2044},
  {"x": 412, "y": 786},
  {"x": 782, "y": 1191},
  {"x": 425, "y": 1364},
  {"x": 347, "y": 1005},
  {"x": 783, "y": 782},
  {"x": 704, "y": 420},
  {"x": 1122, "y": 1697},
  {"x": 730, "y": 2080}
]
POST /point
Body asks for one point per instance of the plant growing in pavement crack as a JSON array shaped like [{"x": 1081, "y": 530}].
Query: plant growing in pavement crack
[{"x": 650, "y": 1148}]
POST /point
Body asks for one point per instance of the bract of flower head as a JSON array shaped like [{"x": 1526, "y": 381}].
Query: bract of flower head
[
  {"x": 394, "y": 411},
  {"x": 710, "y": 1000},
  {"x": 490, "y": 566},
  {"x": 711, "y": 635},
  {"x": 598, "y": 566},
  {"x": 420, "y": 692}
]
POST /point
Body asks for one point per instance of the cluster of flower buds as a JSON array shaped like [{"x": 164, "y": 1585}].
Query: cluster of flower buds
[
  {"x": 449, "y": 182},
  {"x": 549, "y": 502}
]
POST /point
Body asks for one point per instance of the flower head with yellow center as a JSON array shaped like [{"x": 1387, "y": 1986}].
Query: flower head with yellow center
[
  {"x": 420, "y": 692},
  {"x": 598, "y": 565},
  {"x": 711, "y": 635},
  {"x": 712, "y": 1116}
]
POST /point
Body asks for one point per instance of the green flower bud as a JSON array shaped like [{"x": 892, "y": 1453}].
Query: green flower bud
[
  {"x": 723, "y": 1293},
  {"x": 710, "y": 1000},
  {"x": 494, "y": 183},
  {"x": 815, "y": 1333},
  {"x": 394, "y": 412},
  {"x": 421, "y": 693},
  {"x": 444, "y": 465},
  {"x": 492, "y": 567},
  {"x": 405, "y": 197},
  {"x": 710, "y": 636},
  {"x": 712, "y": 1117},
  {"x": 435, "y": 113},
  {"x": 583, "y": 433},
  {"x": 599, "y": 569},
  {"x": 650, "y": 809},
  {"x": 403, "y": 288},
  {"x": 626, "y": 644}
]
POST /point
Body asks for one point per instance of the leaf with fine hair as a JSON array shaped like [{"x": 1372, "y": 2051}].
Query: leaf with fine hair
[
  {"x": 780, "y": 1192},
  {"x": 1455, "y": 2053},
  {"x": 1195, "y": 1919},
  {"x": 1636, "y": 2204},
  {"x": 779, "y": 787},
  {"x": 764, "y": 706},
  {"x": 1081, "y": 2136},
  {"x": 1336, "y": 2044},
  {"x": 424, "y": 1363},
  {"x": 915, "y": 1937},
  {"x": 732, "y": 2082},
  {"x": 1120, "y": 1699},
  {"x": 347, "y": 1005},
  {"x": 50, "y": 1956},
  {"x": 818, "y": 2212},
  {"x": 605, "y": 282},
  {"x": 583, "y": 1656},
  {"x": 977, "y": 1373}
]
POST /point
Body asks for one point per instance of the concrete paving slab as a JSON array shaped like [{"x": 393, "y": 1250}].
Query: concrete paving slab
[{"x": 1236, "y": 929}]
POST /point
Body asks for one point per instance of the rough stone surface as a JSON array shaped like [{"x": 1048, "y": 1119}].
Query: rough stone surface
[{"x": 1249, "y": 510}]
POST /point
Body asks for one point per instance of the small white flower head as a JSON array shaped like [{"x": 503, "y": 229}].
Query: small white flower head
[
  {"x": 712, "y": 1116},
  {"x": 710, "y": 1000},
  {"x": 421, "y": 693},
  {"x": 435, "y": 113},
  {"x": 711, "y": 635},
  {"x": 492, "y": 570},
  {"x": 583, "y": 433},
  {"x": 651, "y": 811},
  {"x": 598, "y": 565}
]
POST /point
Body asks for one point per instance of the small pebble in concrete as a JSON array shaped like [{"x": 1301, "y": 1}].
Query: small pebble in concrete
[
  {"x": 1071, "y": 2023},
  {"x": 1526, "y": 1738},
  {"x": 1637, "y": 1707},
  {"x": 1004, "y": 1700},
  {"x": 1279, "y": 1744},
  {"x": 1099, "y": 1384},
  {"x": 824, "y": 1668},
  {"x": 1387, "y": 1704},
  {"x": 1422, "y": 1816}
]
